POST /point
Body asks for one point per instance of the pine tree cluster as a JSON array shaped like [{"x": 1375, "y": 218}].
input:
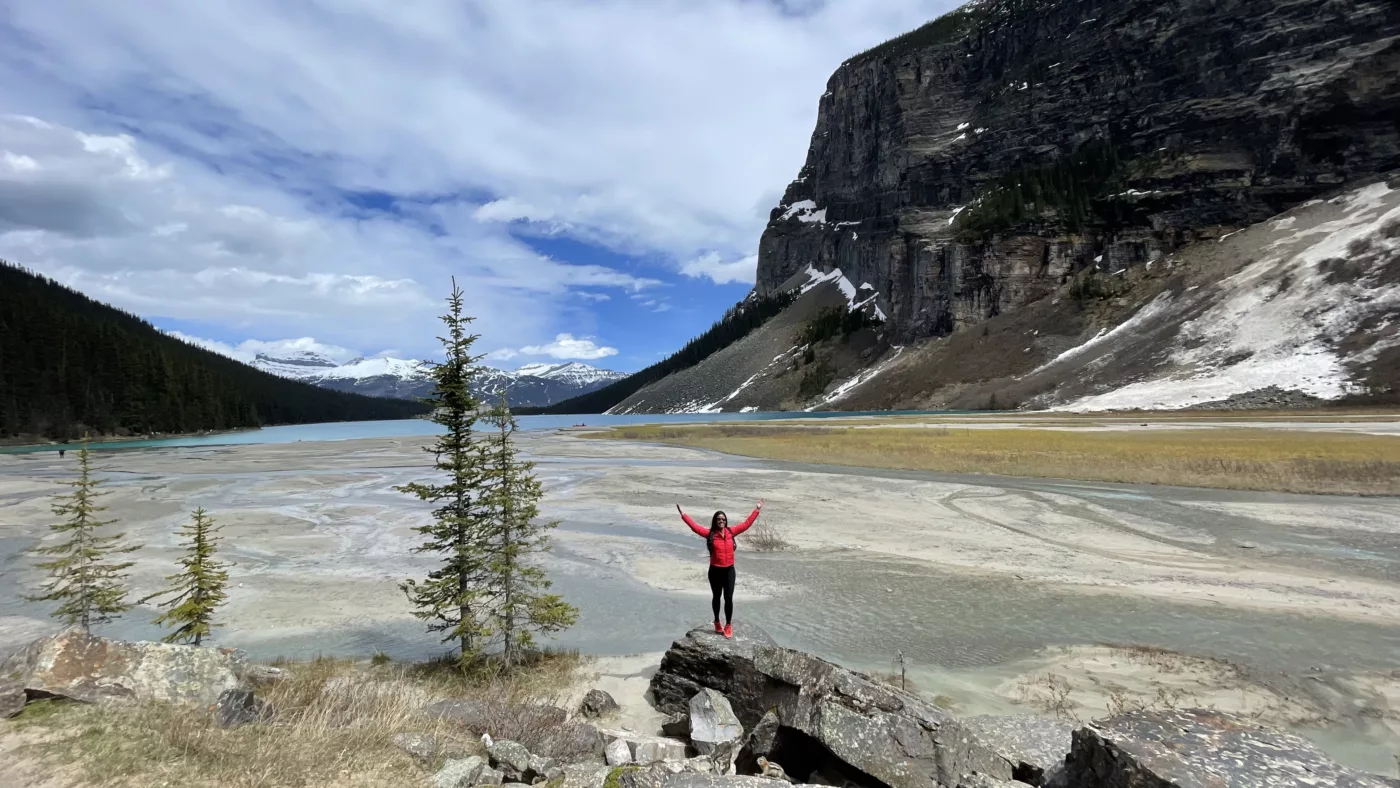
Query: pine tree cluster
[{"x": 69, "y": 365}]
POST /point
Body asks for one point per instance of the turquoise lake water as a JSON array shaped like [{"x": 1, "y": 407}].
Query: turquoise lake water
[{"x": 352, "y": 430}]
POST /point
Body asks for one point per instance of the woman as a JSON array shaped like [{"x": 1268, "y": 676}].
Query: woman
[{"x": 719, "y": 538}]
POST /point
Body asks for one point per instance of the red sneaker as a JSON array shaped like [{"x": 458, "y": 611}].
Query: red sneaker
[
  {"x": 719, "y": 630},
  {"x": 728, "y": 630}
]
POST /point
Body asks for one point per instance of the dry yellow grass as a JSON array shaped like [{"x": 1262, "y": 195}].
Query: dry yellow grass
[
  {"x": 1244, "y": 458},
  {"x": 334, "y": 725}
]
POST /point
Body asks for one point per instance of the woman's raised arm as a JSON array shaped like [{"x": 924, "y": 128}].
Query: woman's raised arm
[
  {"x": 694, "y": 526},
  {"x": 744, "y": 526}
]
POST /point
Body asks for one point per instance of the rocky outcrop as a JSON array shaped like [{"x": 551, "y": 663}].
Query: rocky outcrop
[
  {"x": 81, "y": 667},
  {"x": 12, "y": 698},
  {"x": 597, "y": 703},
  {"x": 1200, "y": 747},
  {"x": 966, "y": 168},
  {"x": 715, "y": 731},
  {"x": 703, "y": 659}
]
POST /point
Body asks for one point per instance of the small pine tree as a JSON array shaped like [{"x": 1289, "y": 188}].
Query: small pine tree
[
  {"x": 518, "y": 606},
  {"x": 448, "y": 598},
  {"x": 83, "y": 578},
  {"x": 197, "y": 591}
]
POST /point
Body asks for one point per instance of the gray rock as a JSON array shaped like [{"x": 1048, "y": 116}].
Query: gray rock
[
  {"x": 643, "y": 749},
  {"x": 715, "y": 731},
  {"x": 676, "y": 725},
  {"x": 555, "y": 774},
  {"x": 1035, "y": 745},
  {"x": 239, "y": 707},
  {"x": 700, "y": 765},
  {"x": 462, "y": 773},
  {"x": 597, "y": 703},
  {"x": 92, "y": 669},
  {"x": 585, "y": 775},
  {"x": 691, "y": 780},
  {"x": 540, "y": 765},
  {"x": 421, "y": 746},
  {"x": 1198, "y": 747},
  {"x": 512, "y": 758},
  {"x": 572, "y": 741},
  {"x": 618, "y": 753},
  {"x": 704, "y": 659},
  {"x": 12, "y": 698},
  {"x": 490, "y": 776},
  {"x": 983, "y": 781},
  {"x": 713, "y": 723},
  {"x": 894, "y": 736},
  {"x": 759, "y": 743}
]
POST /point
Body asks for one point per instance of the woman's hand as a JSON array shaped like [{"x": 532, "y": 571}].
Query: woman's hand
[
  {"x": 678, "y": 508},
  {"x": 760, "y": 503}
]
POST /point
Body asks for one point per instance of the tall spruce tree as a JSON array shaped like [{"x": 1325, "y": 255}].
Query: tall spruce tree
[
  {"x": 197, "y": 591},
  {"x": 517, "y": 605},
  {"x": 451, "y": 594},
  {"x": 84, "y": 578}
]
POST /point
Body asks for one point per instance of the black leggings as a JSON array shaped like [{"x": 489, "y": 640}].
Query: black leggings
[{"x": 722, "y": 582}]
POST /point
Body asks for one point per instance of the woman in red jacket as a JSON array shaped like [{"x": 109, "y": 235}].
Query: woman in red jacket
[{"x": 719, "y": 537}]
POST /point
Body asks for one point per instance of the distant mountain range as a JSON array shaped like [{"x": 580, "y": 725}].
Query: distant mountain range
[{"x": 533, "y": 385}]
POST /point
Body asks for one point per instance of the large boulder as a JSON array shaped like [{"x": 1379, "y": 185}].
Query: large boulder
[
  {"x": 714, "y": 729},
  {"x": 703, "y": 659},
  {"x": 238, "y": 707},
  {"x": 644, "y": 749},
  {"x": 12, "y": 698},
  {"x": 597, "y": 703},
  {"x": 74, "y": 665},
  {"x": 1035, "y": 745},
  {"x": 1197, "y": 747},
  {"x": 459, "y": 773},
  {"x": 894, "y": 736}
]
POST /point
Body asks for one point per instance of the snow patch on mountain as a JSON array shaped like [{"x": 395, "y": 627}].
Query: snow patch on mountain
[{"x": 1282, "y": 321}]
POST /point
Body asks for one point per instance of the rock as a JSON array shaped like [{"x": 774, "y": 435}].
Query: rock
[
  {"x": 1191, "y": 747},
  {"x": 617, "y": 753},
  {"x": 264, "y": 674},
  {"x": 462, "y": 773},
  {"x": 12, "y": 698},
  {"x": 540, "y": 766},
  {"x": 714, "y": 729},
  {"x": 555, "y": 774},
  {"x": 238, "y": 707},
  {"x": 573, "y": 741},
  {"x": 759, "y": 743},
  {"x": 983, "y": 781},
  {"x": 490, "y": 776},
  {"x": 700, "y": 765},
  {"x": 676, "y": 725},
  {"x": 893, "y": 736},
  {"x": 1035, "y": 745},
  {"x": 421, "y": 746},
  {"x": 94, "y": 669},
  {"x": 597, "y": 703},
  {"x": 703, "y": 659},
  {"x": 643, "y": 749},
  {"x": 585, "y": 775},
  {"x": 512, "y": 758}
]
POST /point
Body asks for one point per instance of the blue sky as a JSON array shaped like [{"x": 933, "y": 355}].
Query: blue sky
[{"x": 274, "y": 175}]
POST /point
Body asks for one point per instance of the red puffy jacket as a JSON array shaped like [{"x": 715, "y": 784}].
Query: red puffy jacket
[{"x": 722, "y": 552}]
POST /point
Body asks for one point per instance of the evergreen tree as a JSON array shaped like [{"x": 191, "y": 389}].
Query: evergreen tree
[
  {"x": 83, "y": 577},
  {"x": 450, "y": 595},
  {"x": 517, "y": 604},
  {"x": 199, "y": 589}
]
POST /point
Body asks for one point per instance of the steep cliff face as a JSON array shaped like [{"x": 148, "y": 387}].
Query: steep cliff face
[{"x": 976, "y": 164}]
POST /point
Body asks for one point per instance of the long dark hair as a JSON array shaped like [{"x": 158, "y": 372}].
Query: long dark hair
[{"x": 714, "y": 529}]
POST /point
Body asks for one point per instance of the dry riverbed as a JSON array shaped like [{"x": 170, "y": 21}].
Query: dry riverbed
[{"x": 1001, "y": 593}]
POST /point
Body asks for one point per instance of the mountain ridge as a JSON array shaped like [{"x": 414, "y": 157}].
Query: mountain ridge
[{"x": 532, "y": 385}]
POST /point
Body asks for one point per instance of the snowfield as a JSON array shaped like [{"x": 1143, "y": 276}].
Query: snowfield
[{"x": 1282, "y": 321}]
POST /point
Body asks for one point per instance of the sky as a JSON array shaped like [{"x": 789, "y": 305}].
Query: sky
[{"x": 281, "y": 175}]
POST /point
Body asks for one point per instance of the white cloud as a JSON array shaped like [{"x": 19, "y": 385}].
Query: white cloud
[
  {"x": 713, "y": 267},
  {"x": 280, "y": 348},
  {"x": 564, "y": 346},
  {"x": 222, "y": 138}
]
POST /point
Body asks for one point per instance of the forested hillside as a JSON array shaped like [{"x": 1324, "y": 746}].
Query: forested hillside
[
  {"x": 738, "y": 321},
  {"x": 70, "y": 364}
]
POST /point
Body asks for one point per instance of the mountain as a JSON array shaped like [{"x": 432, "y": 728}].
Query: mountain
[
  {"x": 69, "y": 365},
  {"x": 1138, "y": 179},
  {"x": 534, "y": 385}
]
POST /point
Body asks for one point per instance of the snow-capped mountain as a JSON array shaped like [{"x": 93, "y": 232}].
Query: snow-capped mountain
[{"x": 531, "y": 385}]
